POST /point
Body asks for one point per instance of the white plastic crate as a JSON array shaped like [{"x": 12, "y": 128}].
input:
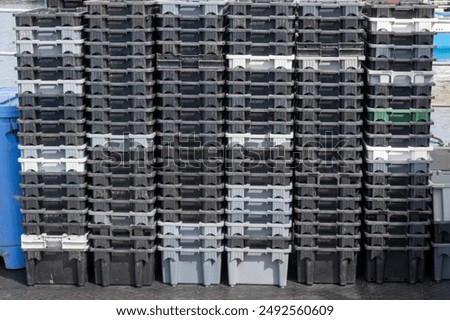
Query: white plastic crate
[
  {"x": 53, "y": 165},
  {"x": 260, "y": 140},
  {"x": 401, "y": 25},
  {"x": 56, "y": 87},
  {"x": 259, "y": 205},
  {"x": 398, "y": 154},
  {"x": 330, "y": 63},
  {"x": 258, "y": 229},
  {"x": 191, "y": 266},
  {"x": 49, "y": 48},
  {"x": 259, "y": 192},
  {"x": 192, "y": 7},
  {"x": 49, "y": 34},
  {"x": 258, "y": 217},
  {"x": 440, "y": 182},
  {"x": 257, "y": 266},
  {"x": 269, "y": 62},
  {"x": 122, "y": 142},
  {"x": 191, "y": 229},
  {"x": 46, "y": 152},
  {"x": 48, "y": 242},
  {"x": 400, "y": 77}
]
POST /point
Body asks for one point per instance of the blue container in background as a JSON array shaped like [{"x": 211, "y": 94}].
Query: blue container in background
[
  {"x": 442, "y": 50},
  {"x": 10, "y": 216}
]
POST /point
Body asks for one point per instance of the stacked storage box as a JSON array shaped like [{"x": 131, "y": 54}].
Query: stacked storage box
[
  {"x": 399, "y": 46},
  {"x": 328, "y": 141},
  {"x": 121, "y": 137},
  {"x": 191, "y": 94},
  {"x": 65, "y": 3},
  {"x": 259, "y": 150},
  {"x": 52, "y": 145},
  {"x": 440, "y": 181}
]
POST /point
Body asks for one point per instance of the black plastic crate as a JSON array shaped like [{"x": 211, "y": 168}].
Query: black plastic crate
[
  {"x": 383, "y": 166},
  {"x": 52, "y": 139},
  {"x": 169, "y": 49},
  {"x": 328, "y": 115},
  {"x": 398, "y": 129},
  {"x": 326, "y": 141},
  {"x": 329, "y": 23},
  {"x": 115, "y": 62},
  {"x": 261, "y": 35},
  {"x": 191, "y": 74},
  {"x": 191, "y": 114},
  {"x": 394, "y": 264},
  {"x": 53, "y": 178},
  {"x": 260, "y": 102},
  {"x": 350, "y": 233},
  {"x": 396, "y": 90},
  {"x": 121, "y": 8},
  {"x": 328, "y": 102},
  {"x": 191, "y": 204},
  {"x": 441, "y": 232},
  {"x": 329, "y": 49},
  {"x": 64, "y": 3},
  {"x": 330, "y": 179},
  {"x": 57, "y": 73},
  {"x": 330, "y": 10},
  {"x": 327, "y": 216},
  {"x": 329, "y": 203},
  {"x": 255, "y": 116},
  {"x": 128, "y": 156},
  {"x": 191, "y": 216},
  {"x": 53, "y": 191},
  {"x": 262, "y": 9},
  {"x": 331, "y": 36},
  {"x": 122, "y": 238},
  {"x": 121, "y": 89},
  {"x": 402, "y": 216},
  {"x": 121, "y": 75},
  {"x": 398, "y": 204},
  {"x": 191, "y": 127},
  {"x": 245, "y": 241},
  {"x": 120, "y": 180},
  {"x": 327, "y": 241},
  {"x": 260, "y": 88},
  {"x": 52, "y": 114},
  {"x": 45, "y": 17},
  {"x": 262, "y": 155},
  {"x": 203, "y": 141},
  {"x": 190, "y": 21},
  {"x": 61, "y": 203},
  {"x": 191, "y": 101},
  {"x": 333, "y": 166},
  {"x": 55, "y": 61},
  {"x": 58, "y": 217},
  {"x": 190, "y": 35},
  {"x": 39, "y": 100},
  {"x": 191, "y": 178},
  {"x": 329, "y": 190},
  {"x": 329, "y": 265},
  {"x": 399, "y": 10},
  {"x": 398, "y": 179},
  {"x": 260, "y": 127},
  {"x": 258, "y": 166},
  {"x": 56, "y": 229},
  {"x": 329, "y": 76},
  {"x": 120, "y": 35},
  {"x": 56, "y": 267},
  {"x": 109, "y": 266},
  {"x": 118, "y": 128},
  {"x": 389, "y": 239},
  {"x": 261, "y": 76},
  {"x": 398, "y": 102},
  {"x": 350, "y": 128},
  {"x": 136, "y": 21},
  {"x": 131, "y": 115},
  {"x": 122, "y": 49},
  {"x": 130, "y": 167},
  {"x": 261, "y": 48},
  {"x": 392, "y": 140},
  {"x": 52, "y": 126},
  {"x": 353, "y": 89},
  {"x": 191, "y": 191},
  {"x": 135, "y": 102},
  {"x": 259, "y": 179},
  {"x": 123, "y": 192},
  {"x": 339, "y": 152},
  {"x": 397, "y": 38},
  {"x": 191, "y": 87},
  {"x": 395, "y": 64},
  {"x": 131, "y": 205},
  {"x": 208, "y": 158}
]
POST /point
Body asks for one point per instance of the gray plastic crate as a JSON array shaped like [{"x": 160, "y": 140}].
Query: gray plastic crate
[
  {"x": 329, "y": 63},
  {"x": 190, "y": 242},
  {"x": 191, "y": 266},
  {"x": 400, "y": 77},
  {"x": 440, "y": 182},
  {"x": 258, "y": 230},
  {"x": 192, "y": 7},
  {"x": 49, "y": 48},
  {"x": 191, "y": 229},
  {"x": 257, "y": 266},
  {"x": 49, "y": 34},
  {"x": 123, "y": 218},
  {"x": 259, "y": 205},
  {"x": 47, "y": 152},
  {"x": 51, "y": 88},
  {"x": 259, "y": 192},
  {"x": 441, "y": 260},
  {"x": 238, "y": 216}
]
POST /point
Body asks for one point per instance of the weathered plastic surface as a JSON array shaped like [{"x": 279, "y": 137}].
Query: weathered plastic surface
[
  {"x": 441, "y": 261},
  {"x": 440, "y": 182},
  {"x": 257, "y": 266},
  {"x": 10, "y": 217}
]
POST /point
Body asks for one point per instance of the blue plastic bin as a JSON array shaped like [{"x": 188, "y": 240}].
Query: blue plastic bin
[
  {"x": 442, "y": 50},
  {"x": 10, "y": 216}
]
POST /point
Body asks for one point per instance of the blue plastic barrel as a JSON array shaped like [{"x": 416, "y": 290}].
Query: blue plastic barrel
[{"x": 10, "y": 216}]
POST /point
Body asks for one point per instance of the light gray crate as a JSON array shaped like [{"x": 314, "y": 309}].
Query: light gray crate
[
  {"x": 50, "y": 242},
  {"x": 123, "y": 218},
  {"x": 53, "y": 165},
  {"x": 259, "y": 205},
  {"x": 46, "y": 152},
  {"x": 259, "y": 192},
  {"x": 190, "y": 242},
  {"x": 257, "y": 266},
  {"x": 330, "y": 63},
  {"x": 400, "y": 25},
  {"x": 192, "y": 7},
  {"x": 260, "y": 62},
  {"x": 122, "y": 142},
  {"x": 191, "y": 266},
  {"x": 258, "y": 230},
  {"x": 49, "y": 34},
  {"x": 191, "y": 229},
  {"x": 56, "y": 87},
  {"x": 49, "y": 48},
  {"x": 258, "y": 217},
  {"x": 440, "y": 183},
  {"x": 441, "y": 260},
  {"x": 398, "y": 154},
  {"x": 400, "y": 77},
  {"x": 260, "y": 140}
]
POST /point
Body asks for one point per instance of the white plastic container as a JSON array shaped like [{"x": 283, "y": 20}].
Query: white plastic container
[
  {"x": 47, "y": 242},
  {"x": 260, "y": 62},
  {"x": 53, "y": 165},
  {"x": 47, "y": 152},
  {"x": 401, "y": 25},
  {"x": 398, "y": 154}
]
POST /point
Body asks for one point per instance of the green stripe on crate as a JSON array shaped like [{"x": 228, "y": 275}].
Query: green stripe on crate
[{"x": 398, "y": 115}]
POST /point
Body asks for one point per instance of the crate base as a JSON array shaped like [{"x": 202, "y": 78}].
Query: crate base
[
  {"x": 124, "y": 267},
  {"x": 56, "y": 267}
]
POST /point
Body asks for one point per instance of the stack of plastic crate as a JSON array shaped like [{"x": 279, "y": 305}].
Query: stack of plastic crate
[
  {"x": 191, "y": 94},
  {"x": 399, "y": 43},
  {"x": 259, "y": 150},
  {"x": 64, "y": 3},
  {"x": 52, "y": 145},
  {"x": 328, "y": 141},
  {"x": 121, "y": 137}
]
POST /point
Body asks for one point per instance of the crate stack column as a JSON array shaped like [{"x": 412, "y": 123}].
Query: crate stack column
[
  {"x": 397, "y": 139},
  {"x": 328, "y": 141},
  {"x": 259, "y": 150},
  {"x": 52, "y": 145},
  {"x": 191, "y": 94},
  {"x": 121, "y": 136}
]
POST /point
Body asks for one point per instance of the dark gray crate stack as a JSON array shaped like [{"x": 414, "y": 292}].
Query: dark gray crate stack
[
  {"x": 52, "y": 144},
  {"x": 399, "y": 48},
  {"x": 121, "y": 92},
  {"x": 191, "y": 101},
  {"x": 328, "y": 141},
  {"x": 70, "y": 4},
  {"x": 259, "y": 149}
]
